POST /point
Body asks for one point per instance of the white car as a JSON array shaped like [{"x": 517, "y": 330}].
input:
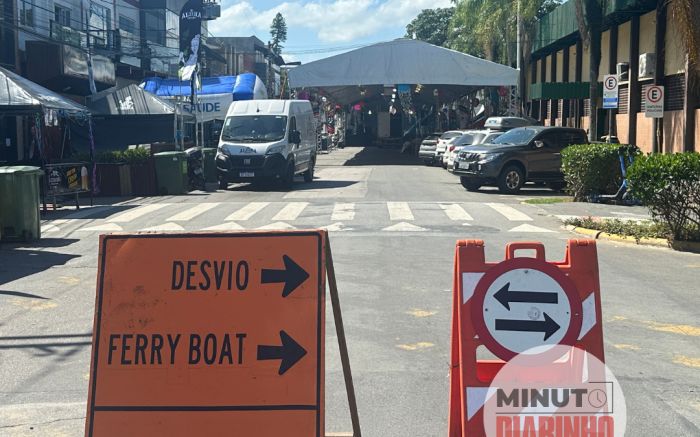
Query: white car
[
  {"x": 444, "y": 142},
  {"x": 470, "y": 138}
]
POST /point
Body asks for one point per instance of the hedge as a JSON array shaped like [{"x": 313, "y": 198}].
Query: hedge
[
  {"x": 669, "y": 185},
  {"x": 592, "y": 169}
]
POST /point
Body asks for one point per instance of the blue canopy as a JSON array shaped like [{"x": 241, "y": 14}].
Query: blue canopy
[{"x": 246, "y": 86}]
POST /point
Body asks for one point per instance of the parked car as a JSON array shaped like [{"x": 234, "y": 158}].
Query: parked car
[
  {"x": 427, "y": 148},
  {"x": 444, "y": 142},
  {"x": 523, "y": 154},
  {"x": 470, "y": 138}
]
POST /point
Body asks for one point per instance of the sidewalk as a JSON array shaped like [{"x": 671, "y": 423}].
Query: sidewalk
[{"x": 566, "y": 210}]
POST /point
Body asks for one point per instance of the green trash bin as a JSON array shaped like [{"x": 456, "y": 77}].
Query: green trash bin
[
  {"x": 209, "y": 162},
  {"x": 19, "y": 203},
  {"x": 171, "y": 172}
]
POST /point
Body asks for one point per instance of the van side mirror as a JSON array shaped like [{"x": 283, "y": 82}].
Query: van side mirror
[
  {"x": 295, "y": 137},
  {"x": 538, "y": 144}
]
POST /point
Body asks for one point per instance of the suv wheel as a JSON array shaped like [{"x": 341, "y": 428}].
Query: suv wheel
[
  {"x": 511, "y": 180},
  {"x": 469, "y": 184}
]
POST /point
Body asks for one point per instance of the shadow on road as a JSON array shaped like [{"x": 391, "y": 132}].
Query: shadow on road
[
  {"x": 378, "y": 156},
  {"x": 19, "y": 260}
]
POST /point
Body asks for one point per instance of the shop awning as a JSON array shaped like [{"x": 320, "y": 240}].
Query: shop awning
[
  {"x": 402, "y": 61},
  {"x": 128, "y": 100},
  {"x": 19, "y": 94}
]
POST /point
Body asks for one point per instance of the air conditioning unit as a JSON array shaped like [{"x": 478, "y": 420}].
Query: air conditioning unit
[
  {"x": 623, "y": 71},
  {"x": 211, "y": 10},
  {"x": 647, "y": 65}
]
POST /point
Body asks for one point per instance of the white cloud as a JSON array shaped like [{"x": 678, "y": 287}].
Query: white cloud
[{"x": 332, "y": 21}]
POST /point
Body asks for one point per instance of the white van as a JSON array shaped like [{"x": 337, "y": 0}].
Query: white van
[{"x": 267, "y": 140}]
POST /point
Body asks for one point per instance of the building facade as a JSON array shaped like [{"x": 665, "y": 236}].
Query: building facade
[{"x": 642, "y": 46}]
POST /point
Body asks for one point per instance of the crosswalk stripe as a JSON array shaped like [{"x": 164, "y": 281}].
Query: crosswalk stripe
[
  {"x": 399, "y": 211},
  {"x": 456, "y": 212},
  {"x": 135, "y": 213},
  {"x": 509, "y": 212},
  {"x": 228, "y": 226},
  {"x": 164, "y": 227},
  {"x": 248, "y": 211},
  {"x": 290, "y": 211},
  {"x": 343, "y": 212},
  {"x": 193, "y": 212}
]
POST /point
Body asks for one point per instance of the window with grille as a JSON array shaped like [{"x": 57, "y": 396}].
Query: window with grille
[
  {"x": 26, "y": 14},
  {"x": 623, "y": 103},
  {"x": 62, "y": 15},
  {"x": 127, "y": 24}
]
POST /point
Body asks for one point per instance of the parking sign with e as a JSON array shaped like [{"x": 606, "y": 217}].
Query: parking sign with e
[{"x": 654, "y": 101}]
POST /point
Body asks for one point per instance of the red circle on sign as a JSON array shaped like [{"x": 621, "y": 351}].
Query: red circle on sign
[
  {"x": 611, "y": 83},
  {"x": 654, "y": 88},
  {"x": 494, "y": 273}
]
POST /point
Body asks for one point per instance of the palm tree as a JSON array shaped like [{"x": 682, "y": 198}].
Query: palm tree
[{"x": 589, "y": 16}]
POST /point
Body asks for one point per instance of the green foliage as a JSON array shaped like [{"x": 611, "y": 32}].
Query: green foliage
[
  {"x": 136, "y": 156},
  {"x": 488, "y": 28},
  {"x": 431, "y": 25},
  {"x": 591, "y": 169},
  {"x": 110, "y": 157},
  {"x": 278, "y": 32},
  {"x": 669, "y": 184},
  {"x": 627, "y": 228}
]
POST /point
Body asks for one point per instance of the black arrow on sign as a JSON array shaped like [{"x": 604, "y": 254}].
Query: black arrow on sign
[
  {"x": 506, "y": 296},
  {"x": 547, "y": 326},
  {"x": 290, "y": 352},
  {"x": 292, "y": 276}
]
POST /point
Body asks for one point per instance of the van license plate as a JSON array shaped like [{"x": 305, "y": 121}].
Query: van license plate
[{"x": 247, "y": 174}]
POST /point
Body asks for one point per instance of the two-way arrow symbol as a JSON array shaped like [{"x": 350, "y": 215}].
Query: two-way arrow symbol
[
  {"x": 290, "y": 352},
  {"x": 547, "y": 326},
  {"x": 505, "y": 296},
  {"x": 292, "y": 276}
]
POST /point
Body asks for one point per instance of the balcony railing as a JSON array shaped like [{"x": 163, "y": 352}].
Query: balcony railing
[{"x": 67, "y": 35}]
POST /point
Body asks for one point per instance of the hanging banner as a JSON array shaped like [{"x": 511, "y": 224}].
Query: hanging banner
[
  {"x": 209, "y": 106},
  {"x": 190, "y": 35}
]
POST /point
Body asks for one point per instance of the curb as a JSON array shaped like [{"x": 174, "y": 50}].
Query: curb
[
  {"x": 682, "y": 246},
  {"x": 600, "y": 235}
]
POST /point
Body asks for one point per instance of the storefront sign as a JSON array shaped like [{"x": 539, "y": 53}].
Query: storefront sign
[
  {"x": 63, "y": 179},
  {"x": 210, "y": 106}
]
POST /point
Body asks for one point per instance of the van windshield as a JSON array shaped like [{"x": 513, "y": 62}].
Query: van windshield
[{"x": 254, "y": 128}]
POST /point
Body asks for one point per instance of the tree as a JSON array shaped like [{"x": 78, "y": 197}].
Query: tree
[
  {"x": 431, "y": 26},
  {"x": 278, "y": 32},
  {"x": 589, "y": 15}
]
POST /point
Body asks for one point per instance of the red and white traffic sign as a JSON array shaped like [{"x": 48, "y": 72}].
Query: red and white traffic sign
[
  {"x": 654, "y": 101},
  {"x": 525, "y": 303}
]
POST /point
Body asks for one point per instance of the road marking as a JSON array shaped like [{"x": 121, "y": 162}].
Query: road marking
[
  {"x": 627, "y": 347},
  {"x": 421, "y": 313},
  {"x": 687, "y": 361},
  {"x": 415, "y": 346},
  {"x": 336, "y": 227},
  {"x": 509, "y": 212},
  {"x": 228, "y": 226},
  {"x": 107, "y": 227},
  {"x": 343, "y": 212},
  {"x": 277, "y": 226},
  {"x": 689, "y": 330},
  {"x": 404, "y": 227},
  {"x": 456, "y": 212},
  {"x": 137, "y": 212},
  {"x": 193, "y": 212},
  {"x": 399, "y": 211},
  {"x": 248, "y": 211},
  {"x": 164, "y": 227},
  {"x": 290, "y": 211},
  {"x": 529, "y": 228},
  {"x": 49, "y": 228}
]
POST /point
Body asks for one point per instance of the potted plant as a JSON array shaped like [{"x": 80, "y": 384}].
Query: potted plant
[
  {"x": 113, "y": 174},
  {"x": 143, "y": 171}
]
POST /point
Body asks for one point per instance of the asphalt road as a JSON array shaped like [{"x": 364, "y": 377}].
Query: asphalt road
[{"x": 393, "y": 226}]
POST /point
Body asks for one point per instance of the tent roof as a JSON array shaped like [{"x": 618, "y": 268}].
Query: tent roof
[
  {"x": 21, "y": 94},
  {"x": 402, "y": 61},
  {"x": 128, "y": 100}
]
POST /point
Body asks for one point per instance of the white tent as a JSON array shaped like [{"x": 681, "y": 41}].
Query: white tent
[{"x": 402, "y": 61}]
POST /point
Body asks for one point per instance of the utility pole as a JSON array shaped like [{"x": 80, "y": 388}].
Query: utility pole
[{"x": 518, "y": 56}]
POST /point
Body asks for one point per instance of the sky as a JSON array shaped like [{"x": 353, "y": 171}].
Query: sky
[{"x": 320, "y": 26}]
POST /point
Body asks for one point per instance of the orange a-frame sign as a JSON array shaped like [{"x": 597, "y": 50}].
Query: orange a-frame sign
[
  {"x": 209, "y": 334},
  {"x": 486, "y": 313}
]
